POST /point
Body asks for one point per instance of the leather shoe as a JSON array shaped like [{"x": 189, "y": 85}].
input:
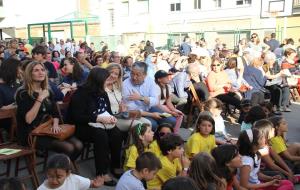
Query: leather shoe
[
  {"x": 117, "y": 173},
  {"x": 110, "y": 183}
]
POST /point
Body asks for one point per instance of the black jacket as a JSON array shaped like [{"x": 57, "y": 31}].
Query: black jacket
[{"x": 83, "y": 106}]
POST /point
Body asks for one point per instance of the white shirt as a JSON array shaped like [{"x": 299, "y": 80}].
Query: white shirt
[
  {"x": 115, "y": 98},
  {"x": 248, "y": 161},
  {"x": 163, "y": 65},
  {"x": 219, "y": 125},
  {"x": 72, "y": 182},
  {"x": 148, "y": 88}
]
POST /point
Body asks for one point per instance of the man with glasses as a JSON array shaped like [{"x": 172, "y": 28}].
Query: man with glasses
[{"x": 141, "y": 93}]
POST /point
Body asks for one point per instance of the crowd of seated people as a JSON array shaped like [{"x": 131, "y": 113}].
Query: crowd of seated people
[{"x": 103, "y": 88}]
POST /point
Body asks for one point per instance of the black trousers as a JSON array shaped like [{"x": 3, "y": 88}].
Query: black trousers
[
  {"x": 231, "y": 99},
  {"x": 279, "y": 95},
  {"x": 107, "y": 146}
]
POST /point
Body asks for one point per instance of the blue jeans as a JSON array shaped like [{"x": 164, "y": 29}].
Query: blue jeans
[{"x": 156, "y": 123}]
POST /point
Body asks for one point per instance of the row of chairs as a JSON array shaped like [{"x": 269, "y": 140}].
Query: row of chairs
[{"x": 29, "y": 153}]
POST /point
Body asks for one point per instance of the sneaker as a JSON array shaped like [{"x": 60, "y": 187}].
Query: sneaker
[
  {"x": 287, "y": 110},
  {"x": 280, "y": 109}
]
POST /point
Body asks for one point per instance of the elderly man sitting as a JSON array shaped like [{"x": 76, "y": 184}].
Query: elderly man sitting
[{"x": 141, "y": 93}]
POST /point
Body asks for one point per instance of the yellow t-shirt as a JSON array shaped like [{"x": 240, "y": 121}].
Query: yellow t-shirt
[
  {"x": 278, "y": 144},
  {"x": 155, "y": 149},
  {"x": 197, "y": 143},
  {"x": 131, "y": 154},
  {"x": 169, "y": 170}
]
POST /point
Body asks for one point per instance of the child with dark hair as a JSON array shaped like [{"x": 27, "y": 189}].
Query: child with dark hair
[
  {"x": 147, "y": 165},
  {"x": 245, "y": 108},
  {"x": 203, "y": 170},
  {"x": 272, "y": 163},
  {"x": 228, "y": 159},
  {"x": 59, "y": 176},
  {"x": 11, "y": 184},
  {"x": 255, "y": 113},
  {"x": 203, "y": 140},
  {"x": 291, "y": 152},
  {"x": 171, "y": 148},
  {"x": 249, "y": 142},
  {"x": 140, "y": 138},
  {"x": 180, "y": 183},
  {"x": 269, "y": 109}
]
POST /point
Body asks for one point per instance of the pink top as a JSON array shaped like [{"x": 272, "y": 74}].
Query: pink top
[{"x": 218, "y": 83}]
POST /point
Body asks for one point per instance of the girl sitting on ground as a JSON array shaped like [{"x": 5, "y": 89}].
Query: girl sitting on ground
[
  {"x": 291, "y": 152},
  {"x": 140, "y": 138},
  {"x": 249, "y": 142},
  {"x": 59, "y": 176},
  {"x": 272, "y": 163},
  {"x": 203, "y": 140},
  {"x": 228, "y": 161},
  {"x": 203, "y": 170}
]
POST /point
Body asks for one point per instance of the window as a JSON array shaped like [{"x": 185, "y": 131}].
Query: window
[
  {"x": 175, "y": 6},
  {"x": 243, "y": 2},
  {"x": 218, "y": 3},
  {"x": 143, "y": 6},
  {"x": 197, "y": 4},
  {"x": 112, "y": 17},
  {"x": 296, "y": 3},
  {"x": 125, "y": 8}
]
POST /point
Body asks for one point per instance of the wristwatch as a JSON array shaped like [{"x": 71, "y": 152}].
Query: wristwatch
[{"x": 142, "y": 98}]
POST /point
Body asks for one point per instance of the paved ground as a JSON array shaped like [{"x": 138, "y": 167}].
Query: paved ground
[{"x": 87, "y": 168}]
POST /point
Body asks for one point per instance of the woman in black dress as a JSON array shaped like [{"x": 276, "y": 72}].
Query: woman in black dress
[
  {"x": 35, "y": 102},
  {"x": 90, "y": 110}
]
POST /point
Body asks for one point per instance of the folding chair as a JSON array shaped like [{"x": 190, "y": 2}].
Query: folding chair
[
  {"x": 21, "y": 152},
  {"x": 196, "y": 103},
  {"x": 62, "y": 108}
]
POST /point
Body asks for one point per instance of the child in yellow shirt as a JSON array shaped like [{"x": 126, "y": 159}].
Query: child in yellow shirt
[
  {"x": 140, "y": 137},
  {"x": 203, "y": 140},
  {"x": 290, "y": 152},
  {"x": 171, "y": 148}
]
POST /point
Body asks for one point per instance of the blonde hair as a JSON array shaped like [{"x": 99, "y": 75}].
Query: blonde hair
[
  {"x": 28, "y": 81},
  {"x": 112, "y": 66}
]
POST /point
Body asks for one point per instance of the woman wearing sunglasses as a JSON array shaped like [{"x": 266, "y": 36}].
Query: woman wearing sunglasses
[
  {"x": 220, "y": 86},
  {"x": 257, "y": 45}
]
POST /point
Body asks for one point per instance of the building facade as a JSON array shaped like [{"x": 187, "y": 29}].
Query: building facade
[{"x": 168, "y": 21}]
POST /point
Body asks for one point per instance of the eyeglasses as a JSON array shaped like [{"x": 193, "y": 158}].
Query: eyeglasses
[
  {"x": 216, "y": 65},
  {"x": 253, "y": 36}
]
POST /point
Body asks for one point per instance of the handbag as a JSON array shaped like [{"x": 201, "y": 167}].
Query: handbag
[{"x": 44, "y": 129}]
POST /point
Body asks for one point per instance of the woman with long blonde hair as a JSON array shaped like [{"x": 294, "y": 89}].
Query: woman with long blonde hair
[
  {"x": 113, "y": 88},
  {"x": 35, "y": 103}
]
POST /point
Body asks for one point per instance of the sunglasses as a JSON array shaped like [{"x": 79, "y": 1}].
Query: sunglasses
[
  {"x": 254, "y": 37},
  {"x": 216, "y": 65},
  {"x": 161, "y": 134}
]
